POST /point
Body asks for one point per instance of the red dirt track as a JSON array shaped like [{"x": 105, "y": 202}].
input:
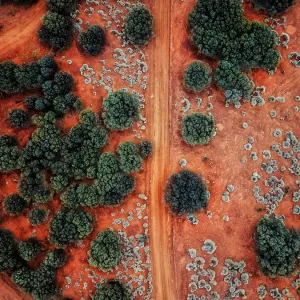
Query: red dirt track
[{"x": 218, "y": 162}]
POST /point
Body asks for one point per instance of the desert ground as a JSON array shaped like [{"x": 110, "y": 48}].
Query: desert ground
[{"x": 224, "y": 161}]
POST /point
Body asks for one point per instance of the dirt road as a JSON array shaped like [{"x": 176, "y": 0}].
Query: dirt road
[{"x": 160, "y": 219}]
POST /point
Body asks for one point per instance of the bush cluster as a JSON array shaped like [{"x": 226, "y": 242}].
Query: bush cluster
[
  {"x": 145, "y": 149},
  {"x": 30, "y": 249},
  {"x": 186, "y": 193},
  {"x": 120, "y": 110},
  {"x": 11, "y": 158},
  {"x": 38, "y": 216},
  {"x": 112, "y": 290},
  {"x": 105, "y": 251},
  {"x": 18, "y": 118},
  {"x": 92, "y": 41},
  {"x": 277, "y": 247},
  {"x": 70, "y": 226},
  {"x": 198, "y": 129},
  {"x": 14, "y": 205},
  {"x": 226, "y": 34},
  {"x": 273, "y": 7},
  {"x": 55, "y": 258},
  {"x": 197, "y": 76},
  {"x": 138, "y": 26}
]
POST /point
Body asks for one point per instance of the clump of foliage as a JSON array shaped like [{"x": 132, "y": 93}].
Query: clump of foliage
[
  {"x": 33, "y": 186},
  {"x": 277, "y": 247},
  {"x": 112, "y": 290},
  {"x": 112, "y": 184},
  {"x": 18, "y": 2},
  {"x": 11, "y": 158},
  {"x": 18, "y": 118},
  {"x": 14, "y": 204},
  {"x": 64, "y": 7},
  {"x": 186, "y": 193},
  {"x": 198, "y": 129},
  {"x": 227, "y": 35},
  {"x": 56, "y": 30},
  {"x": 38, "y": 216},
  {"x": 145, "y": 149},
  {"x": 197, "y": 76},
  {"x": 105, "y": 250},
  {"x": 48, "y": 68},
  {"x": 121, "y": 110},
  {"x": 28, "y": 76},
  {"x": 30, "y": 249},
  {"x": 236, "y": 84},
  {"x": 55, "y": 258},
  {"x": 138, "y": 26},
  {"x": 40, "y": 283},
  {"x": 70, "y": 226},
  {"x": 92, "y": 41},
  {"x": 9, "y": 259},
  {"x": 129, "y": 157},
  {"x": 8, "y": 81},
  {"x": 273, "y": 7}
]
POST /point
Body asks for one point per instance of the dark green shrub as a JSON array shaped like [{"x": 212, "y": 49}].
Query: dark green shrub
[
  {"x": 56, "y": 31},
  {"x": 55, "y": 258},
  {"x": 14, "y": 204},
  {"x": 38, "y": 216},
  {"x": 236, "y": 85},
  {"x": 197, "y": 76},
  {"x": 28, "y": 76},
  {"x": 18, "y": 118},
  {"x": 198, "y": 129},
  {"x": 273, "y": 7},
  {"x": 92, "y": 41},
  {"x": 145, "y": 149},
  {"x": 30, "y": 249},
  {"x": 8, "y": 81},
  {"x": 225, "y": 34},
  {"x": 112, "y": 184},
  {"x": 11, "y": 158},
  {"x": 70, "y": 226},
  {"x": 121, "y": 110},
  {"x": 130, "y": 160},
  {"x": 112, "y": 290},
  {"x": 33, "y": 186},
  {"x": 9, "y": 257},
  {"x": 105, "y": 251},
  {"x": 277, "y": 247},
  {"x": 64, "y": 7},
  {"x": 40, "y": 283},
  {"x": 138, "y": 26},
  {"x": 48, "y": 67},
  {"x": 186, "y": 193}
]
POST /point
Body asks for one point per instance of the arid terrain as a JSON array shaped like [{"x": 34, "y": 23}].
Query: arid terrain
[{"x": 224, "y": 161}]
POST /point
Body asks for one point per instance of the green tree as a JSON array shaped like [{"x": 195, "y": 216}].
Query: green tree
[
  {"x": 138, "y": 26},
  {"x": 70, "y": 226},
  {"x": 92, "y": 41},
  {"x": 145, "y": 149},
  {"x": 112, "y": 290},
  {"x": 105, "y": 251},
  {"x": 14, "y": 204},
  {"x": 120, "y": 110},
  {"x": 273, "y": 7},
  {"x": 8, "y": 81},
  {"x": 64, "y": 7},
  {"x": 18, "y": 118},
  {"x": 198, "y": 129},
  {"x": 186, "y": 193},
  {"x": 277, "y": 247},
  {"x": 30, "y": 249},
  {"x": 55, "y": 258},
  {"x": 38, "y": 216},
  {"x": 197, "y": 76}
]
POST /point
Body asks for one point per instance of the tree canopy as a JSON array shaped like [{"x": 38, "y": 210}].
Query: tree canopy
[
  {"x": 198, "y": 129},
  {"x": 138, "y": 26},
  {"x": 112, "y": 290},
  {"x": 186, "y": 193},
  {"x": 273, "y": 7}
]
